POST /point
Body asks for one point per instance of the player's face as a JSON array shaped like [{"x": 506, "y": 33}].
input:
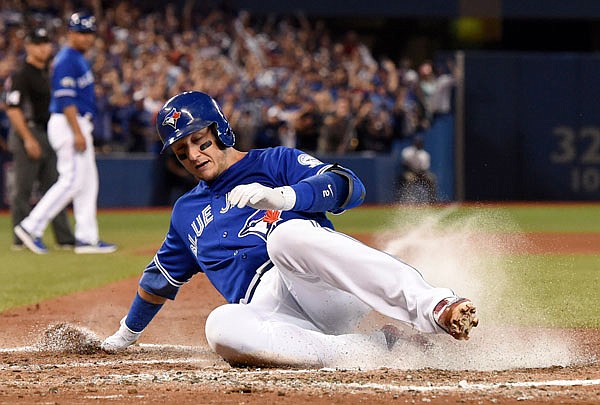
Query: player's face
[
  {"x": 40, "y": 53},
  {"x": 82, "y": 41},
  {"x": 200, "y": 154}
]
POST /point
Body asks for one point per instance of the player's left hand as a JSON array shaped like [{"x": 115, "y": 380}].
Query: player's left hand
[
  {"x": 121, "y": 339},
  {"x": 263, "y": 198}
]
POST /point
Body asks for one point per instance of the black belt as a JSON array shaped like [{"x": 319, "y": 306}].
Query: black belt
[{"x": 266, "y": 266}]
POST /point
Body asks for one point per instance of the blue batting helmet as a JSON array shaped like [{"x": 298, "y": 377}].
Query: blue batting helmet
[
  {"x": 82, "y": 22},
  {"x": 189, "y": 112}
]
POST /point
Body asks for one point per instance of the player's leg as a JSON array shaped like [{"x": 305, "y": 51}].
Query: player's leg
[
  {"x": 47, "y": 176},
  {"x": 274, "y": 330},
  {"x": 85, "y": 200},
  {"x": 25, "y": 171},
  {"x": 61, "y": 193},
  {"x": 383, "y": 282}
]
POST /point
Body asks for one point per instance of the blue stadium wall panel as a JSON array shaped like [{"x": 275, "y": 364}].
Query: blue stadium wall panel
[
  {"x": 532, "y": 126},
  {"x": 126, "y": 181}
]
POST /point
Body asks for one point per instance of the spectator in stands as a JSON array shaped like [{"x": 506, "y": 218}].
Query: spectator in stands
[
  {"x": 374, "y": 129},
  {"x": 436, "y": 86},
  {"x": 440, "y": 102},
  {"x": 269, "y": 134},
  {"x": 337, "y": 132},
  {"x": 307, "y": 127},
  {"x": 140, "y": 124},
  {"x": 427, "y": 86}
]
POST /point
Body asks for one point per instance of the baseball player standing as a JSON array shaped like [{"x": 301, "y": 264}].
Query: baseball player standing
[
  {"x": 27, "y": 99},
  {"x": 72, "y": 106},
  {"x": 255, "y": 225}
]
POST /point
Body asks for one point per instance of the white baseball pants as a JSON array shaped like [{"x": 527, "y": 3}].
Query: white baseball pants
[
  {"x": 77, "y": 182},
  {"x": 306, "y": 309}
]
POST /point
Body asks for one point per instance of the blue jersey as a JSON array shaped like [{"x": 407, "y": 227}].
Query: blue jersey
[
  {"x": 72, "y": 83},
  {"x": 228, "y": 243}
]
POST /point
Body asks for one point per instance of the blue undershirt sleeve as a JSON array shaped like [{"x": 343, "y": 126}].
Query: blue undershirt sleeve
[{"x": 141, "y": 313}]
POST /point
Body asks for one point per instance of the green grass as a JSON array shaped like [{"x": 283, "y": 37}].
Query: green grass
[
  {"x": 551, "y": 290},
  {"x": 556, "y": 290},
  {"x": 26, "y": 278},
  {"x": 528, "y": 218}
]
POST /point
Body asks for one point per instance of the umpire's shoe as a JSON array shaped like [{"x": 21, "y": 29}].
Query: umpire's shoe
[
  {"x": 35, "y": 244},
  {"x": 457, "y": 316},
  {"x": 100, "y": 247}
]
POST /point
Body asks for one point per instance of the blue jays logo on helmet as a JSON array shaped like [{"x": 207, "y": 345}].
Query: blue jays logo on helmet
[
  {"x": 190, "y": 112},
  {"x": 82, "y": 22},
  {"x": 171, "y": 118}
]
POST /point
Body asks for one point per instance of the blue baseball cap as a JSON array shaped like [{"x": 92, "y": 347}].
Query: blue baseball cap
[{"x": 82, "y": 22}]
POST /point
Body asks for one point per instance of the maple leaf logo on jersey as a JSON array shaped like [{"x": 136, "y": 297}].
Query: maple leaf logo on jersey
[
  {"x": 261, "y": 224},
  {"x": 171, "y": 118}
]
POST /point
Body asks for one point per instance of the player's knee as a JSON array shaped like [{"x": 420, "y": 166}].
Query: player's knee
[
  {"x": 224, "y": 331},
  {"x": 284, "y": 240},
  {"x": 65, "y": 184}
]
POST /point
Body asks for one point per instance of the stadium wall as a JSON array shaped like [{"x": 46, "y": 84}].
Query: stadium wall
[{"x": 531, "y": 126}]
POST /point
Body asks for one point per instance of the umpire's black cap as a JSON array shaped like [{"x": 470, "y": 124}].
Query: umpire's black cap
[{"x": 38, "y": 35}]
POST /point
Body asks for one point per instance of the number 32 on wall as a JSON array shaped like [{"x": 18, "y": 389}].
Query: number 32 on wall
[{"x": 580, "y": 148}]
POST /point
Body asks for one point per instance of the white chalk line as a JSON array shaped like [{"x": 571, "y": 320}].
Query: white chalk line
[
  {"x": 142, "y": 345},
  {"x": 170, "y": 376},
  {"x": 462, "y": 385}
]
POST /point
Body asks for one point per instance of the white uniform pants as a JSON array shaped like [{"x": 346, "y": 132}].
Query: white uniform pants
[
  {"x": 77, "y": 182},
  {"x": 306, "y": 308}
]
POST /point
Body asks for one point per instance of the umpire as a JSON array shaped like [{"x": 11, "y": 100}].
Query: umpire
[{"x": 27, "y": 100}]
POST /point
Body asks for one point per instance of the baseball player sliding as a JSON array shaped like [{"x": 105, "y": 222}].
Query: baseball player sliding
[{"x": 256, "y": 227}]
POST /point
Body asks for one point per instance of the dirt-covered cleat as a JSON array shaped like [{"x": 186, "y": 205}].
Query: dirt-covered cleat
[{"x": 457, "y": 316}]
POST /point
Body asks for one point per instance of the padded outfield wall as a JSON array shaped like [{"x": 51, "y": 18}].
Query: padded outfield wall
[{"x": 531, "y": 126}]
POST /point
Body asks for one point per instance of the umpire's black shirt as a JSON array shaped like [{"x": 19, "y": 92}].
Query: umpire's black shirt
[{"x": 29, "y": 90}]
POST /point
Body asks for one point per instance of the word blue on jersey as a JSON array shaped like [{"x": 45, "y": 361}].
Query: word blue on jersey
[
  {"x": 72, "y": 83},
  {"x": 227, "y": 243}
]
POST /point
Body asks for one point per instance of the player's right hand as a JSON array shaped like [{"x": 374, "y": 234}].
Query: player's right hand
[
  {"x": 256, "y": 195},
  {"x": 33, "y": 148},
  {"x": 79, "y": 143},
  {"x": 122, "y": 339}
]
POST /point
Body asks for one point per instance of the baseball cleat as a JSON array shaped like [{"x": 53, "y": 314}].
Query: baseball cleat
[
  {"x": 35, "y": 244},
  {"x": 100, "y": 247},
  {"x": 457, "y": 316},
  {"x": 414, "y": 340},
  {"x": 392, "y": 334}
]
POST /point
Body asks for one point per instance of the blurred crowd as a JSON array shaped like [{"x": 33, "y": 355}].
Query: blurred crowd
[{"x": 281, "y": 80}]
